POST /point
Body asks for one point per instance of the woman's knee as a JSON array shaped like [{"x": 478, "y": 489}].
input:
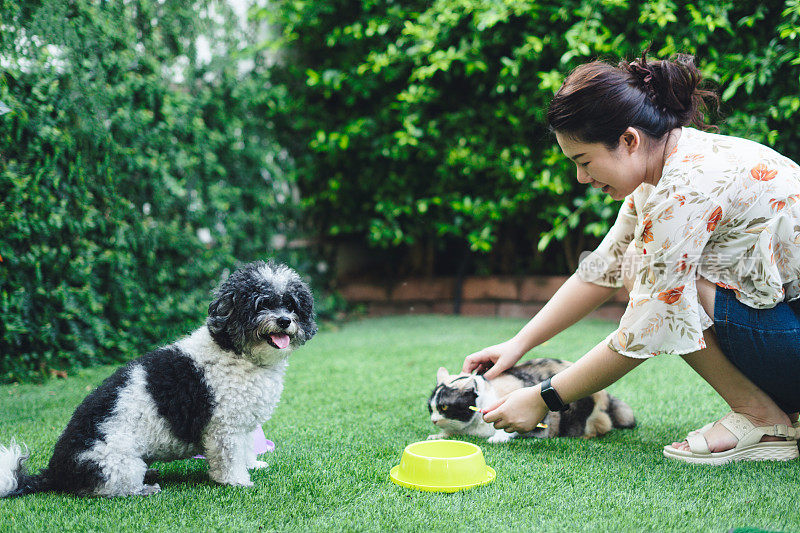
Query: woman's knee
[{"x": 706, "y": 291}]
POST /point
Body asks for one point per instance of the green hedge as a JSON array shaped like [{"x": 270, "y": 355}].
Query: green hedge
[
  {"x": 418, "y": 127},
  {"x": 127, "y": 189}
]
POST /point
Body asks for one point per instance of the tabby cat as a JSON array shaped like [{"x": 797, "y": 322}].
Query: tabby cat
[{"x": 450, "y": 403}]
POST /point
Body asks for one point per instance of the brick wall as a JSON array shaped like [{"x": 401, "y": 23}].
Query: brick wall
[{"x": 481, "y": 296}]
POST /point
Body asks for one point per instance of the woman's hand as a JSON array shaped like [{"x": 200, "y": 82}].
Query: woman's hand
[
  {"x": 520, "y": 411},
  {"x": 494, "y": 360}
]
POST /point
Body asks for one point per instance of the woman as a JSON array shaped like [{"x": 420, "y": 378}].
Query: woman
[{"x": 707, "y": 243}]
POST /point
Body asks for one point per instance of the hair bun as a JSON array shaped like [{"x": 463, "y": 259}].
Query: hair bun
[
  {"x": 598, "y": 100},
  {"x": 672, "y": 85},
  {"x": 644, "y": 78}
]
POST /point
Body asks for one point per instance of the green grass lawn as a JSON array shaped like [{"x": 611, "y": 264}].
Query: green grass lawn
[{"x": 355, "y": 396}]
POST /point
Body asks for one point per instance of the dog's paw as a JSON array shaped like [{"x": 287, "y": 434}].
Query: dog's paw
[
  {"x": 258, "y": 465},
  {"x": 240, "y": 482},
  {"x": 242, "y": 479},
  {"x": 149, "y": 490},
  {"x": 437, "y": 436}
]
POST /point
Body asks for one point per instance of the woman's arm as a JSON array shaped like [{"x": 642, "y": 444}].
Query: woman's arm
[
  {"x": 574, "y": 300},
  {"x": 524, "y": 408}
]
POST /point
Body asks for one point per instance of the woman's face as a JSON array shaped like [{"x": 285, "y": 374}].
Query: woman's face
[{"x": 617, "y": 172}]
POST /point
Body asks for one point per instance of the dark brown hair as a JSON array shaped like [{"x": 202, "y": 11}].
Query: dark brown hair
[{"x": 598, "y": 100}]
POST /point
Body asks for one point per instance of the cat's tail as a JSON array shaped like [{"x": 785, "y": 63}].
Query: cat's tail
[
  {"x": 621, "y": 413},
  {"x": 14, "y": 480}
]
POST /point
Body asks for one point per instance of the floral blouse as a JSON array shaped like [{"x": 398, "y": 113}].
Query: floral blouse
[{"x": 725, "y": 209}]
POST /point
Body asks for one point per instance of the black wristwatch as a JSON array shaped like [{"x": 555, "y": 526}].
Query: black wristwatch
[{"x": 551, "y": 397}]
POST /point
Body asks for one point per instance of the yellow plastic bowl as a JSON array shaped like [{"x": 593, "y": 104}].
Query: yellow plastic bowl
[{"x": 441, "y": 466}]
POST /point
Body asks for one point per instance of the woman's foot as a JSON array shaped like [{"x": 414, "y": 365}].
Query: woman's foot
[{"x": 719, "y": 439}]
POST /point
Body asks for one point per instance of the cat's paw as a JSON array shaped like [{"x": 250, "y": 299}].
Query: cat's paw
[
  {"x": 501, "y": 437},
  {"x": 437, "y": 436},
  {"x": 258, "y": 464}
]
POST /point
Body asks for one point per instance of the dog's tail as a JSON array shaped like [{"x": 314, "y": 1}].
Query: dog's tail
[
  {"x": 14, "y": 479},
  {"x": 621, "y": 413}
]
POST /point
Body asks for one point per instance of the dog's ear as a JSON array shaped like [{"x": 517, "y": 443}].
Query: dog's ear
[
  {"x": 221, "y": 307},
  {"x": 221, "y": 324},
  {"x": 301, "y": 294},
  {"x": 441, "y": 375}
]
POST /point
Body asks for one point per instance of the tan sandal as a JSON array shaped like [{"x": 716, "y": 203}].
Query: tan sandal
[
  {"x": 701, "y": 430},
  {"x": 708, "y": 426},
  {"x": 749, "y": 447}
]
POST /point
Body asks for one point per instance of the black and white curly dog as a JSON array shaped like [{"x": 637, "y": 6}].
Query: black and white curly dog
[{"x": 203, "y": 394}]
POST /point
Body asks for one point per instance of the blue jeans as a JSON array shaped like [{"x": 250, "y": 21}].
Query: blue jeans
[{"x": 764, "y": 344}]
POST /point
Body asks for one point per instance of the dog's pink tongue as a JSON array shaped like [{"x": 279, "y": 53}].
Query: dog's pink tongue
[{"x": 281, "y": 340}]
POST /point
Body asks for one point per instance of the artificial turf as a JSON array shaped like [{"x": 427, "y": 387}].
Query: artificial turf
[{"x": 356, "y": 395}]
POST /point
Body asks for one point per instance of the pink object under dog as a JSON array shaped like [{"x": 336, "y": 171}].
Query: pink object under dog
[{"x": 260, "y": 443}]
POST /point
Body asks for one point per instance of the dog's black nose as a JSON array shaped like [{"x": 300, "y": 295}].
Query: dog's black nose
[{"x": 284, "y": 322}]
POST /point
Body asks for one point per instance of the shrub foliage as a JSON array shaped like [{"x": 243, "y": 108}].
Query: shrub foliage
[
  {"x": 134, "y": 172},
  {"x": 419, "y": 126}
]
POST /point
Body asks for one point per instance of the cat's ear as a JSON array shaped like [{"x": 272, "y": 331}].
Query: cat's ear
[
  {"x": 442, "y": 375},
  {"x": 477, "y": 384}
]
